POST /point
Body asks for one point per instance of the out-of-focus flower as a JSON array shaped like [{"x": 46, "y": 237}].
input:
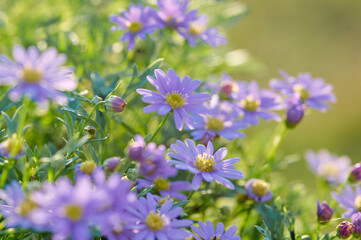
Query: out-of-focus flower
[
  {"x": 20, "y": 210},
  {"x": 112, "y": 163},
  {"x": 87, "y": 167},
  {"x": 227, "y": 89},
  {"x": 355, "y": 174},
  {"x": 345, "y": 229},
  {"x": 116, "y": 104},
  {"x": 138, "y": 21},
  {"x": 334, "y": 169},
  {"x": 207, "y": 231},
  {"x": 356, "y": 221},
  {"x": 12, "y": 147},
  {"x": 175, "y": 94},
  {"x": 166, "y": 187},
  {"x": 295, "y": 112},
  {"x": 151, "y": 158},
  {"x": 40, "y": 77},
  {"x": 173, "y": 14},
  {"x": 315, "y": 93},
  {"x": 162, "y": 223},
  {"x": 324, "y": 212},
  {"x": 218, "y": 123},
  {"x": 349, "y": 199},
  {"x": 198, "y": 30},
  {"x": 258, "y": 190},
  {"x": 254, "y": 102},
  {"x": 205, "y": 164}
]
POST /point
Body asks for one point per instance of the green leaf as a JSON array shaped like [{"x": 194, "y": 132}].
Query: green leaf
[{"x": 145, "y": 191}]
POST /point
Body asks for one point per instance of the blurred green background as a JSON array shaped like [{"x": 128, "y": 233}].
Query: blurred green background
[{"x": 321, "y": 37}]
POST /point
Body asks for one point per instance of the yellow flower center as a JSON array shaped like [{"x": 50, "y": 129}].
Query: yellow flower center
[
  {"x": 26, "y": 207},
  {"x": 358, "y": 202},
  {"x": 214, "y": 124},
  {"x": 30, "y": 75},
  {"x": 329, "y": 170},
  {"x": 250, "y": 104},
  {"x": 161, "y": 184},
  {"x": 88, "y": 167},
  {"x": 175, "y": 100},
  {"x": 13, "y": 145},
  {"x": 154, "y": 222},
  {"x": 135, "y": 27},
  {"x": 195, "y": 29},
  {"x": 73, "y": 212},
  {"x": 260, "y": 188},
  {"x": 118, "y": 230},
  {"x": 300, "y": 89},
  {"x": 205, "y": 162}
]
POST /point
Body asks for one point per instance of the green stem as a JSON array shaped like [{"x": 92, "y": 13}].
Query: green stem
[
  {"x": 190, "y": 195},
  {"x": 277, "y": 139},
  {"x": 106, "y": 141},
  {"x": 158, "y": 129},
  {"x": 245, "y": 221},
  {"x": 89, "y": 117},
  {"x": 22, "y": 115},
  {"x": 4, "y": 175}
]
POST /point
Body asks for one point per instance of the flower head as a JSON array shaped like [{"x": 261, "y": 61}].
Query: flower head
[
  {"x": 88, "y": 167},
  {"x": 324, "y": 212},
  {"x": 207, "y": 232},
  {"x": 345, "y": 229},
  {"x": 198, "y": 30},
  {"x": 12, "y": 147},
  {"x": 254, "y": 102},
  {"x": 116, "y": 104},
  {"x": 315, "y": 93},
  {"x": 332, "y": 168},
  {"x": 175, "y": 94},
  {"x": 40, "y": 77},
  {"x": 173, "y": 14},
  {"x": 138, "y": 21},
  {"x": 218, "y": 123},
  {"x": 355, "y": 174},
  {"x": 258, "y": 190},
  {"x": 158, "y": 223},
  {"x": 204, "y": 163},
  {"x": 349, "y": 199}
]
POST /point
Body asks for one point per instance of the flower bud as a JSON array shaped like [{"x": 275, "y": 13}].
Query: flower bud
[
  {"x": 345, "y": 229},
  {"x": 356, "y": 221},
  {"x": 136, "y": 149},
  {"x": 112, "y": 163},
  {"x": 207, "y": 137},
  {"x": 295, "y": 112},
  {"x": 324, "y": 212},
  {"x": 355, "y": 174},
  {"x": 116, "y": 104}
]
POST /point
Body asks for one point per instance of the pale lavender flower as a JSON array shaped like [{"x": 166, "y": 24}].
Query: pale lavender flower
[
  {"x": 20, "y": 210},
  {"x": 334, "y": 169},
  {"x": 315, "y": 93},
  {"x": 154, "y": 223},
  {"x": 198, "y": 30},
  {"x": 218, "y": 123},
  {"x": 258, "y": 190},
  {"x": 257, "y": 103},
  {"x": 175, "y": 94},
  {"x": 40, "y": 77},
  {"x": 205, "y": 164},
  {"x": 349, "y": 199},
  {"x": 138, "y": 21},
  {"x": 173, "y": 14},
  {"x": 166, "y": 187},
  {"x": 207, "y": 232}
]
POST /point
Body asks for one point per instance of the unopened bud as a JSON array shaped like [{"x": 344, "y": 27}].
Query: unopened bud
[
  {"x": 324, "y": 212},
  {"x": 345, "y": 229},
  {"x": 116, "y": 104}
]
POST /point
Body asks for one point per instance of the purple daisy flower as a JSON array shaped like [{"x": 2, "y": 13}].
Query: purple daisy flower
[
  {"x": 38, "y": 76},
  {"x": 198, "y": 30},
  {"x": 173, "y": 14},
  {"x": 166, "y": 187},
  {"x": 12, "y": 147},
  {"x": 315, "y": 93},
  {"x": 334, "y": 169},
  {"x": 258, "y": 190},
  {"x": 207, "y": 232},
  {"x": 205, "y": 164},
  {"x": 218, "y": 123},
  {"x": 162, "y": 223},
  {"x": 175, "y": 94},
  {"x": 138, "y": 21},
  {"x": 254, "y": 102},
  {"x": 20, "y": 210},
  {"x": 349, "y": 199}
]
